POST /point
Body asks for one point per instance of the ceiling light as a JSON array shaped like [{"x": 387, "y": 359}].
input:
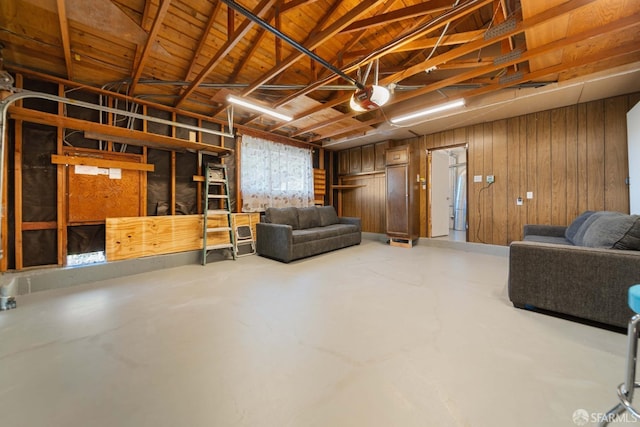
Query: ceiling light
[
  {"x": 431, "y": 110},
  {"x": 369, "y": 98},
  {"x": 259, "y": 108}
]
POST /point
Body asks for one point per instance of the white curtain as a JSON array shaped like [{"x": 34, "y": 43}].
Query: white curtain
[{"x": 274, "y": 175}]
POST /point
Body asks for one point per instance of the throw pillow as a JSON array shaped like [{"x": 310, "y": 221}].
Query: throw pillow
[
  {"x": 571, "y": 234},
  {"x": 328, "y": 215},
  {"x": 631, "y": 239},
  {"x": 308, "y": 217},
  {"x": 607, "y": 229},
  {"x": 286, "y": 216}
]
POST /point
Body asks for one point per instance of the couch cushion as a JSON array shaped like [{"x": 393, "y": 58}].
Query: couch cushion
[
  {"x": 308, "y": 217},
  {"x": 547, "y": 239},
  {"x": 631, "y": 239},
  {"x": 286, "y": 216},
  {"x": 318, "y": 233},
  {"x": 606, "y": 229},
  {"x": 328, "y": 215},
  {"x": 573, "y": 233}
]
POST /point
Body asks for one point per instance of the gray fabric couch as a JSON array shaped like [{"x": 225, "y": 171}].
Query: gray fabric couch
[
  {"x": 583, "y": 270},
  {"x": 292, "y": 233}
]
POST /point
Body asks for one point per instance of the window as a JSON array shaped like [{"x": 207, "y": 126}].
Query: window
[{"x": 274, "y": 175}]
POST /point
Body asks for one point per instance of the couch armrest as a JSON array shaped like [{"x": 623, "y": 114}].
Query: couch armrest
[
  {"x": 351, "y": 220},
  {"x": 544, "y": 230},
  {"x": 590, "y": 283},
  {"x": 274, "y": 241}
]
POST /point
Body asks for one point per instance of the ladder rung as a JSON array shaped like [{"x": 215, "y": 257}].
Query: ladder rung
[
  {"x": 218, "y": 212},
  {"x": 217, "y": 196},
  {"x": 217, "y": 181},
  {"x": 217, "y": 229},
  {"x": 220, "y": 246}
]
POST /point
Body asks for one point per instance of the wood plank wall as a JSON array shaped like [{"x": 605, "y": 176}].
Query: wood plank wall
[{"x": 572, "y": 158}]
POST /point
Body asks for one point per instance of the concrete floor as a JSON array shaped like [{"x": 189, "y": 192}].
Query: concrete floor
[{"x": 366, "y": 336}]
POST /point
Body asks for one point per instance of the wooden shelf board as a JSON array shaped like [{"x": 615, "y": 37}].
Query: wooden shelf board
[{"x": 347, "y": 187}]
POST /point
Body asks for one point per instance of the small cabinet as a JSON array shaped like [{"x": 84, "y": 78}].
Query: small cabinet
[
  {"x": 368, "y": 158},
  {"x": 402, "y": 197},
  {"x": 343, "y": 162},
  {"x": 355, "y": 160},
  {"x": 380, "y": 148}
]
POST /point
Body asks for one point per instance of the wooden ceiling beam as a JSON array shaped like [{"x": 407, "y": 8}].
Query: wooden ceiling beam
[
  {"x": 429, "y": 7},
  {"x": 630, "y": 22},
  {"x": 146, "y": 51},
  {"x": 203, "y": 40},
  {"x": 565, "y": 8},
  {"x": 312, "y": 43},
  {"x": 447, "y": 40},
  {"x": 260, "y": 10},
  {"x": 64, "y": 34},
  {"x": 440, "y": 22},
  {"x": 631, "y": 51}
]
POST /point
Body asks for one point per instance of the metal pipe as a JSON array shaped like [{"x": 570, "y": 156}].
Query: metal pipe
[
  {"x": 265, "y": 25},
  {"x": 8, "y": 101}
]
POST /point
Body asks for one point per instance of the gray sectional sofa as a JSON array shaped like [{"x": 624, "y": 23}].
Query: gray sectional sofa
[
  {"x": 583, "y": 270},
  {"x": 292, "y": 233}
]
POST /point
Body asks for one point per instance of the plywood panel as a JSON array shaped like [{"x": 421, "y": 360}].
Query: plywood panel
[
  {"x": 92, "y": 198},
  {"x": 127, "y": 238}
]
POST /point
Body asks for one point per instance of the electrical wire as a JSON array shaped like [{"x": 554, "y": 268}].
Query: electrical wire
[{"x": 480, "y": 213}]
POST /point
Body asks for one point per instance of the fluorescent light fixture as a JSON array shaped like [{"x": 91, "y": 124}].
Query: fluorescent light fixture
[
  {"x": 259, "y": 108},
  {"x": 430, "y": 110}
]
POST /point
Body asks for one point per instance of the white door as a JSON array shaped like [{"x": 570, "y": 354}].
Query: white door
[
  {"x": 633, "y": 145},
  {"x": 440, "y": 198}
]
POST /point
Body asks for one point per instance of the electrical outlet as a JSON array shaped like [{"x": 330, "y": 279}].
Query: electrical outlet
[
  {"x": 519, "y": 201},
  {"x": 477, "y": 178},
  {"x": 490, "y": 179},
  {"x": 529, "y": 194}
]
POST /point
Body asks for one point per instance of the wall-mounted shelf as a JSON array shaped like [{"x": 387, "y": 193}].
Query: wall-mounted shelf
[{"x": 347, "y": 187}]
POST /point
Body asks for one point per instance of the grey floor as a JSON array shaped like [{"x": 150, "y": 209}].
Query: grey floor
[{"x": 366, "y": 336}]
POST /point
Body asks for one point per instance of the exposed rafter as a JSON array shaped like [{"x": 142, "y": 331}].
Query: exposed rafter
[
  {"x": 64, "y": 34},
  {"x": 151, "y": 39}
]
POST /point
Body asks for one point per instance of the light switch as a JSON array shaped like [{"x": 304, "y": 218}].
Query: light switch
[
  {"x": 529, "y": 194},
  {"x": 477, "y": 178}
]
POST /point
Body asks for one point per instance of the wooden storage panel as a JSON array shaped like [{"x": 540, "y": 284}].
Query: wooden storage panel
[
  {"x": 368, "y": 158},
  {"x": 343, "y": 162},
  {"x": 380, "y": 149},
  {"x": 397, "y": 201},
  {"x": 355, "y": 160},
  {"x": 402, "y": 196},
  {"x": 397, "y": 155}
]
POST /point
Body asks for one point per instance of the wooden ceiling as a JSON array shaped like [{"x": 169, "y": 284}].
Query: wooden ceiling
[{"x": 191, "y": 53}]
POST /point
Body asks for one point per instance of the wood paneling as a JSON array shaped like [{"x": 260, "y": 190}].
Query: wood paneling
[
  {"x": 366, "y": 202},
  {"x": 137, "y": 237},
  {"x": 368, "y": 158},
  {"x": 572, "y": 159},
  {"x": 355, "y": 160}
]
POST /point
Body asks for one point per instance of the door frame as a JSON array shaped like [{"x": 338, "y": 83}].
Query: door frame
[{"x": 428, "y": 175}]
